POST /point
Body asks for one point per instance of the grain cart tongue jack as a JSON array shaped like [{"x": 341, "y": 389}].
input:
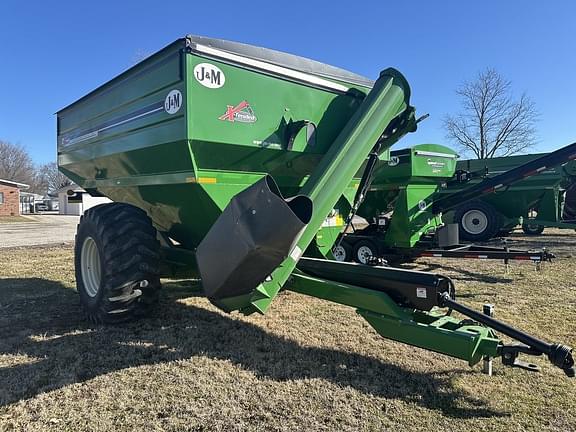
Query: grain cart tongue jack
[{"x": 200, "y": 143}]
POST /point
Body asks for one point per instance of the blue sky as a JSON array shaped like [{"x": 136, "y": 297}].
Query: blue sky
[{"x": 52, "y": 53}]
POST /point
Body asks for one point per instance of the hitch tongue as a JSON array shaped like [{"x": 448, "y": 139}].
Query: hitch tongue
[
  {"x": 510, "y": 357},
  {"x": 558, "y": 354}
]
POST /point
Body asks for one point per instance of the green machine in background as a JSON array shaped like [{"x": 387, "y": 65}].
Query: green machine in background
[
  {"x": 544, "y": 200},
  {"x": 227, "y": 162},
  {"x": 406, "y": 197}
]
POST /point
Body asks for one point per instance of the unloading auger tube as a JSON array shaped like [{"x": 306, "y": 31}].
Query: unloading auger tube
[{"x": 260, "y": 256}]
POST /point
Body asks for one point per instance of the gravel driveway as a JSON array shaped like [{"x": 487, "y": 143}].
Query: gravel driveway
[{"x": 41, "y": 230}]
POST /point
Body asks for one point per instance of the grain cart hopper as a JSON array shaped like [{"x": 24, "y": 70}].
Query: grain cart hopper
[
  {"x": 199, "y": 144},
  {"x": 405, "y": 202},
  {"x": 544, "y": 200}
]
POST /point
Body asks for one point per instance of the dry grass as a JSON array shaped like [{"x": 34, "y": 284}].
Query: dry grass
[
  {"x": 307, "y": 365},
  {"x": 14, "y": 219}
]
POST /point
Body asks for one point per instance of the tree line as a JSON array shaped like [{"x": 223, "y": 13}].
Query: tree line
[{"x": 17, "y": 165}]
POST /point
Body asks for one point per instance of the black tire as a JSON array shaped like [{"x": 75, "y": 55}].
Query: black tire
[
  {"x": 532, "y": 229},
  {"x": 486, "y": 218},
  {"x": 359, "y": 254},
  {"x": 344, "y": 252},
  {"x": 128, "y": 283}
]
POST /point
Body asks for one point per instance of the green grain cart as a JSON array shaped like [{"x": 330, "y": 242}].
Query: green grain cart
[
  {"x": 199, "y": 145},
  {"x": 544, "y": 200},
  {"x": 406, "y": 197}
]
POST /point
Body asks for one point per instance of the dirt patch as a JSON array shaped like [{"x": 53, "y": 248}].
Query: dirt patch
[{"x": 306, "y": 365}]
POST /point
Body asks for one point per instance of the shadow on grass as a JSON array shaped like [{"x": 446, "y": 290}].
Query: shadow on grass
[
  {"x": 43, "y": 320},
  {"x": 463, "y": 274}
]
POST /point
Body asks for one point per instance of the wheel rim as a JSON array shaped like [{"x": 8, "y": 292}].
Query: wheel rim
[
  {"x": 474, "y": 222},
  {"x": 339, "y": 253},
  {"x": 364, "y": 253},
  {"x": 90, "y": 266}
]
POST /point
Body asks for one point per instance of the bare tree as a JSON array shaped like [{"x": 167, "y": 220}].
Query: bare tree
[
  {"x": 49, "y": 179},
  {"x": 492, "y": 123},
  {"x": 15, "y": 163}
]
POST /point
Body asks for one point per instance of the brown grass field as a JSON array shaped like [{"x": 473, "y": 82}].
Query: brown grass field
[{"x": 307, "y": 365}]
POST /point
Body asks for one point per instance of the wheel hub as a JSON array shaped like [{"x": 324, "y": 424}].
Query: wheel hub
[
  {"x": 90, "y": 266},
  {"x": 339, "y": 253},
  {"x": 474, "y": 222},
  {"x": 364, "y": 253}
]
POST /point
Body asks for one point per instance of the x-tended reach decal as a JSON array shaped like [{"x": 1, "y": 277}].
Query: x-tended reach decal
[{"x": 240, "y": 113}]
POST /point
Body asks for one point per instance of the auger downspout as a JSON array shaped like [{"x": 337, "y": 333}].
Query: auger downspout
[{"x": 388, "y": 100}]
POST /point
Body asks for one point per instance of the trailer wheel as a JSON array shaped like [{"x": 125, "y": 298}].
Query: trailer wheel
[
  {"x": 116, "y": 263},
  {"x": 342, "y": 252},
  {"x": 532, "y": 229},
  {"x": 477, "y": 221},
  {"x": 363, "y": 250}
]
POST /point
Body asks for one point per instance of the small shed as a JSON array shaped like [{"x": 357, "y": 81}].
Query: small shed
[
  {"x": 10, "y": 197},
  {"x": 73, "y": 200}
]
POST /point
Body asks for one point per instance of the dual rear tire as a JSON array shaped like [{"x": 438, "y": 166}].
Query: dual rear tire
[{"x": 117, "y": 263}]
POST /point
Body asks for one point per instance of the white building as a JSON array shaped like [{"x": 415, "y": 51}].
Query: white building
[{"x": 73, "y": 200}]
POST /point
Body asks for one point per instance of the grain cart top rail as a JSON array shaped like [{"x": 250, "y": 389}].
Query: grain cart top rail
[{"x": 199, "y": 144}]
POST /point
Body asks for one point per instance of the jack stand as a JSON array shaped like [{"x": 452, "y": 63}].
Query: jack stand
[
  {"x": 487, "y": 309},
  {"x": 506, "y": 263},
  {"x": 540, "y": 264}
]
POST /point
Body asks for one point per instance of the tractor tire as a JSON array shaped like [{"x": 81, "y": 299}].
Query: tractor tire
[
  {"x": 117, "y": 263},
  {"x": 363, "y": 250},
  {"x": 532, "y": 229},
  {"x": 477, "y": 221},
  {"x": 343, "y": 252}
]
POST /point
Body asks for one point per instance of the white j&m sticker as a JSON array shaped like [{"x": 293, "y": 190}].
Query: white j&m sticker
[
  {"x": 421, "y": 293},
  {"x": 209, "y": 75},
  {"x": 173, "y": 102}
]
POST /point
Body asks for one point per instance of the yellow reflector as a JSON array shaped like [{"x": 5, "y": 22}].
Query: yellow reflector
[{"x": 206, "y": 180}]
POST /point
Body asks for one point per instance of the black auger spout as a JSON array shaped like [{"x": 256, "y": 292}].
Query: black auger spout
[{"x": 558, "y": 354}]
